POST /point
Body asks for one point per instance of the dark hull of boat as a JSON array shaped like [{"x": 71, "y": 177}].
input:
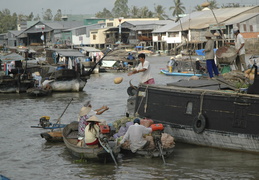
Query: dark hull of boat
[
  {"x": 148, "y": 153},
  {"x": 14, "y": 86},
  {"x": 55, "y": 136},
  {"x": 86, "y": 152},
  {"x": 38, "y": 92},
  {"x": 204, "y": 117}
]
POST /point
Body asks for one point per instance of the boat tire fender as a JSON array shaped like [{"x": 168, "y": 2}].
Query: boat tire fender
[
  {"x": 132, "y": 91},
  {"x": 199, "y": 124}
]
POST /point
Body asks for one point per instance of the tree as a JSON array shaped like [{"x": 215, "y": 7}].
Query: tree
[
  {"x": 120, "y": 8},
  {"x": 37, "y": 18},
  {"x": 213, "y": 4},
  {"x": 58, "y": 16},
  {"x": 48, "y": 15},
  {"x": 134, "y": 12},
  {"x": 104, "y": 14},
  {"x": 30, "y": 17},
  {"x": 7, "y": 21},
  {"x": 230, "y": 5},
  {"x": 198, "y": 8},
  {"x": 160, "y": 12},
  {"x": 145, "y": 12},
  {"x": 178, "y": 8}
]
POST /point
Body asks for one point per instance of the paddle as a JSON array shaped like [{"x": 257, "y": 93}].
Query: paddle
[
  {"x": 63, "y": 111},
  {"x": 108, "y": 149},
  {"x": 158, "y": 142},
  {"x": 161, "y": 151}
]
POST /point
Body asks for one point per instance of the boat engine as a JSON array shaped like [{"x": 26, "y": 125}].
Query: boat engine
[
  {"x": 44, "y": 121},
  {"x": 157, "y": 130}
]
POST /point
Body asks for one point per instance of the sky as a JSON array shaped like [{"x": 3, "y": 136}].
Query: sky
[{"x": 93, "y": 6}]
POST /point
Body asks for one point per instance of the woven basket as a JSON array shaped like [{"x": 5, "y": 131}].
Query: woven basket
[{"x": 226, "y": 55}]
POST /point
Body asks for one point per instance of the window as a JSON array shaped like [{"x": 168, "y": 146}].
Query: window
[
  {"x": 189, "y": 108},
  {"x": 80, "y": 31},
  {"x": 109, "y": 24}
]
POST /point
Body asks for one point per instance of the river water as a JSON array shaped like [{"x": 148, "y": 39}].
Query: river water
[{"x": 25, "y": 155}]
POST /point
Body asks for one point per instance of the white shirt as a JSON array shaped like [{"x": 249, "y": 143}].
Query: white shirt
[
  {"x": 146, "y": 75},
  {"x": 135, "y": 135},
  {"x": 238, "y": 42}
]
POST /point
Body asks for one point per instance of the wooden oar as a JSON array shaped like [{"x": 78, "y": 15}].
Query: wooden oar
[
  {"x": 107, "y": 149},
  {"x": 158, "y": 142},
  {"x": 161, "y": 151},
  {"x": 64, "y": 111}
]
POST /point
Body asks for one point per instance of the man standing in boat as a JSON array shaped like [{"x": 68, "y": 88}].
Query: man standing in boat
[
  {"x": 240, "y": 47},
  {"x": 144, "y": 66},
  {"x": 210, "y": 55}
]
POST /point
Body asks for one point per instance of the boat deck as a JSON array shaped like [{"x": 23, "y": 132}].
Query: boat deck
[{"x": 213, "y": 84}]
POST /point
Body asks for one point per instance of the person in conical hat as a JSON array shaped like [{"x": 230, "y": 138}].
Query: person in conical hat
[
  {"x": 210, "y": 55},
  {"x": 86, "y": 112},
  {"x": 92, "y": 131}
]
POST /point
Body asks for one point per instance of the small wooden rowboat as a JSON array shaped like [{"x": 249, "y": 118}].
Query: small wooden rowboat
[
  {"x": 52, "y": 136},
  {"x": 70, "y": 137},
  {"x": 179, "y": 73}
]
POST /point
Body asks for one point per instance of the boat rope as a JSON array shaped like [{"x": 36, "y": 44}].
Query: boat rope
[
  {"x": 141, "y": 102},
  {"x": 145, "y": 106},
  {"x": 201, "y": 102}
]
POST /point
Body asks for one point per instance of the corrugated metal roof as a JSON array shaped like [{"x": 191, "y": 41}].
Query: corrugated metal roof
[
  {"x": 137, "y": 23},
  {"x": 90, "y": 49},
  {"x": 54, "y": 25},
  {"x": 12, "y": 57},
  {"x": 17, "y": 33},
  {"x": 202, "y": 19},
  {"x": 240, "y": 18},
  {"x": 69, "y": 53},
  {"x": 87, "y": 26}
]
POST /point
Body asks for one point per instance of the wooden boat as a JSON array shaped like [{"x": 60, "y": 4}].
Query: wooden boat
[
  {"x": 38, "y": 91},
  {"x": 166, "y": 72},
  {"x": 154, "y": 152},
  {"x": 70, "y": 137},
  {"x": 65, "y": 80},
  {"x": 17, "y": 78},
  {"x": 203, "y": 112},
  {"x": 52, "y": 136},
  {"x": 55, "y": 135}
]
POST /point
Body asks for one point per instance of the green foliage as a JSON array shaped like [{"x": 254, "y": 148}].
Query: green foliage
[
  {"x": 241, "y": 85},
  {"x": 7, "y": 21},
  {"x": 48, "y": 15},
  {"x": 120, "y": 8},
  {"x": 58, "y": 16},
  {"x": 160, "y": 12},
  {"x": 178, "y": 8},
  {"x": 104, "y": 14},
  {"x": 122, "y": 122}
]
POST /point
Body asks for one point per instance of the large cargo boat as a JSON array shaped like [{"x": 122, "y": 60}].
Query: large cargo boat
[{"x": 203, "y": 112}]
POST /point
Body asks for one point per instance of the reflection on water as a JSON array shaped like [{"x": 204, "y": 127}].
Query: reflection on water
[{"x": 25, "y": 155}]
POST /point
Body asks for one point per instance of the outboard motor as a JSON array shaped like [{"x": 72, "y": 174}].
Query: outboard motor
[{"x": 44, "y": 121}]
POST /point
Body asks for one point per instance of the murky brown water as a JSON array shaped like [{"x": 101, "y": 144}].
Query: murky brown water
[{"x": 25, "y": 155}]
